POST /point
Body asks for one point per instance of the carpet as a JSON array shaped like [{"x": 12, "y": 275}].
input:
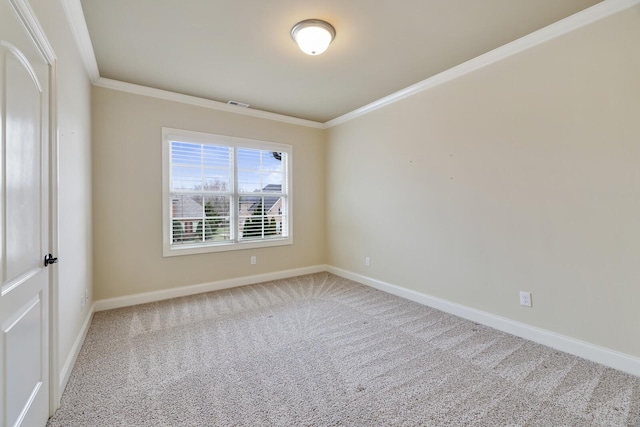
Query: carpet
[{"x": 320, "y": 350}]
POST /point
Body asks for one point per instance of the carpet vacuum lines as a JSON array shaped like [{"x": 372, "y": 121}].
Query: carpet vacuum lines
[{"x": 321, "y": 350}]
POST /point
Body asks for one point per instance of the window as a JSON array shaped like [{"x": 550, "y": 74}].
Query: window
[{"x": 224, "y": 193}]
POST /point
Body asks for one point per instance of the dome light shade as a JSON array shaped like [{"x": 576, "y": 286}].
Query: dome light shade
[{"x": 313, "y": 35}]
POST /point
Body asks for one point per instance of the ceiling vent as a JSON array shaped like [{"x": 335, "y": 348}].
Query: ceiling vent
[{"x": 238, "y": 104}]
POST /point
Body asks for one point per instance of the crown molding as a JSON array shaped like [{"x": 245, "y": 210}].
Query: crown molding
[
  {"x": 73, "y": 10},
  {"x": 202, "y": 102},
  {"x": 557, "y": 29},
  {"x": 78, "y": 24},
  {"x": 75, "y": 17}
]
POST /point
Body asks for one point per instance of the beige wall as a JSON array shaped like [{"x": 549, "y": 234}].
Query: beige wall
[
  {"x": 127, "y": 203},
  {"x": 74, "y": 167},
  {"x": 524, "y": 175}
]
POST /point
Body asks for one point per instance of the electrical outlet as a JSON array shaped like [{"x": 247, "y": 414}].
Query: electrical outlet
[
  {"x": 525, "y": 298},
  {"x": 82, "y": 302},
  {"x": 86, "y": 295},
  {"x": 253, "y": 260},
  {"x": 367, "y": 261}
]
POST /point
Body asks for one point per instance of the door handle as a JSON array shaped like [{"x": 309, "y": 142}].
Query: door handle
[{"x": 49, "y": 259}]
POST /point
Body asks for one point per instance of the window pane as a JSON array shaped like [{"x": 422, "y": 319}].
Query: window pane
[
  {"x": 184, "y": 230},
  {"x": 183, "y": 153},
  {"x": 251, "y": 211},
  {"x": 186, "y": 206},
  {"x": 215, "y": 156},
  {"x": 198, "y": 167},
  {"x": 177, "y": 231},
  {"x": 272, "y": 161},
  {"x": 215, "y": 226},
  {"x": 197, "y": 219},
  {"x": 248, "y": 204},
  {"x": 248, "y": 158},
  {"x": 252, "y": 228},
  {"x": 260, "y": 217},
  {"x": 185, "y": 178},
  {"x": 260, "y": 171},
  {"x": 217, "y": 206},
  {"x": 216, "y": 180},
  {"x": 249, "y": 181},
  {"x": 272, "y": 182}
]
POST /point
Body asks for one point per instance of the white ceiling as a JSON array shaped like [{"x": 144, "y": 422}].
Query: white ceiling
[{"x": 241, "y": 49}]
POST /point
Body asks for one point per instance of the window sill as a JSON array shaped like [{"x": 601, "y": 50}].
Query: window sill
[{"x": 225, "y": 247}]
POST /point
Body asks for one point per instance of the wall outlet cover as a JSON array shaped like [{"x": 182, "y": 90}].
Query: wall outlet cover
[{"x": 525, "y": 298}]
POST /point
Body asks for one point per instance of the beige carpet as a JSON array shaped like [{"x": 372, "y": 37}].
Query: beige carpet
[{"x": 320, "y": 350}]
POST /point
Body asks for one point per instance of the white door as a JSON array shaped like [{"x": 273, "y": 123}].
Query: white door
[{"x": 24, "y": 216}]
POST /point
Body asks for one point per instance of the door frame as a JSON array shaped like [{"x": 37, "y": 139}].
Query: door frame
[{"x": 33, "y": 27}]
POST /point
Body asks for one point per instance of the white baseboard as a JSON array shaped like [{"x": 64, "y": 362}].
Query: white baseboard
[
  {"x": 146, "y": 297},
  {"x": 621, "y": 361},
  {"x": 65, "y": 372}
]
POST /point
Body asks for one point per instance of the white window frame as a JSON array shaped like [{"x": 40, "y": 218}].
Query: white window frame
[{"x": 178, "y": 135}]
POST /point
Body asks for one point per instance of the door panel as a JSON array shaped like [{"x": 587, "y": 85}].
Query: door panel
[
  {"x": 24, "y": 220},
  {"x": 22, "y": 171},
  {"x": 22, "y": 340}
]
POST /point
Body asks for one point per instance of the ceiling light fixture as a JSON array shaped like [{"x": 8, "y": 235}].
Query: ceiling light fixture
[{"x": 313, "y": 35}]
